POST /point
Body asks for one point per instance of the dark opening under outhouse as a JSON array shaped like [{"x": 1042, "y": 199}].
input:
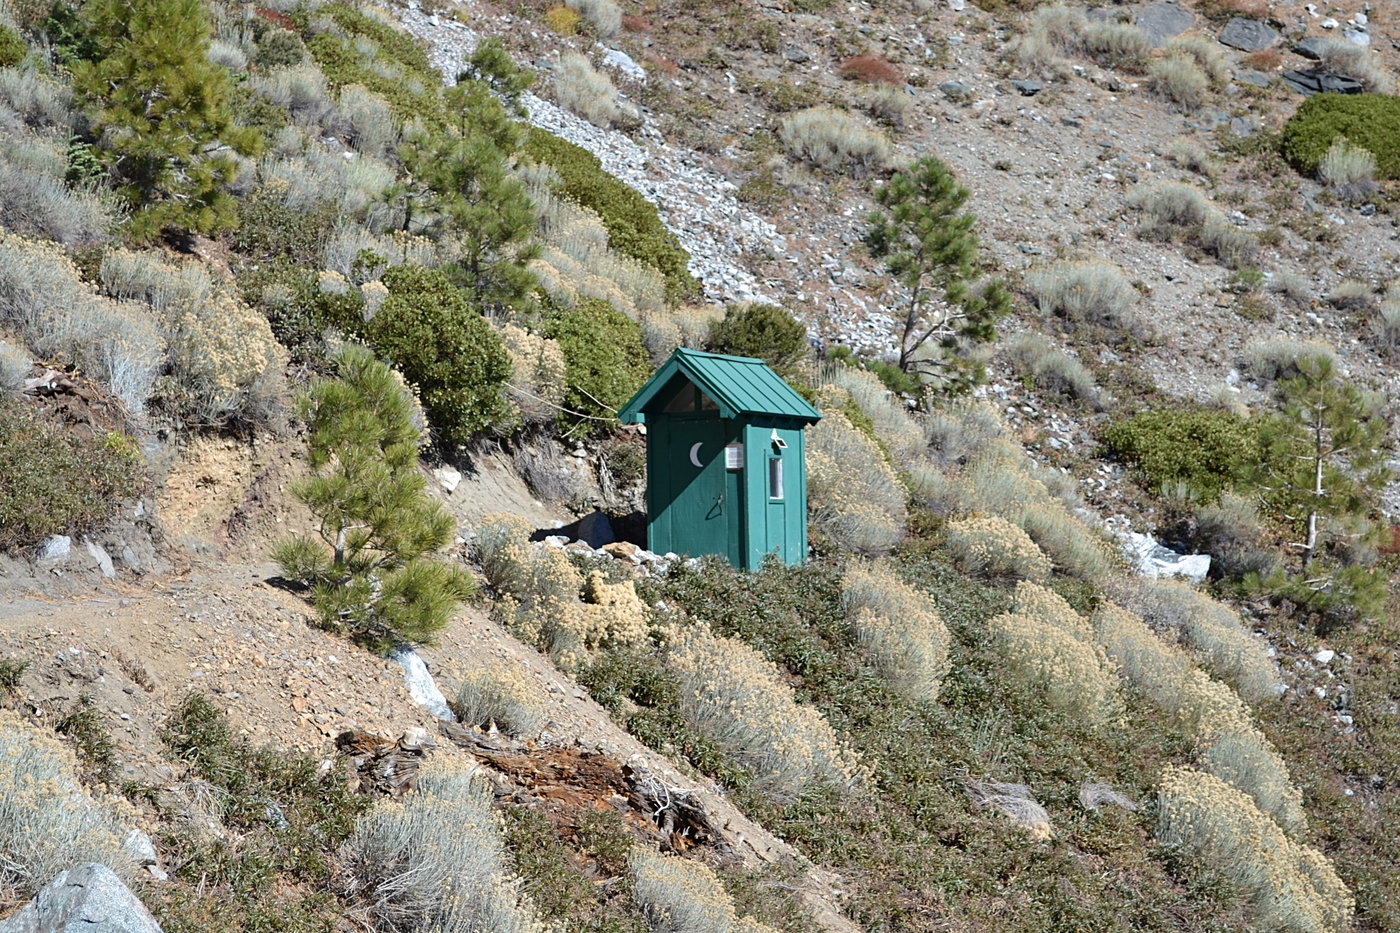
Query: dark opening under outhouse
[{"x": 726, "y": 460}]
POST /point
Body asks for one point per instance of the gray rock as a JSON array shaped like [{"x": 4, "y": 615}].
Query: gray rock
[
  {"x": 1356, "y": 36},
  {"x": 1248, "y": 35},
  {"x": 104, "y": 560},
  {"x": 956, "y": 90},
  {"x": 139, "y": 846},
  {"x": 1317, "y": 81},
  {"x": 1256, "y": 78},
  {"x": 1311, "y": 47},
  {"x": 54, "y": 550},
  {"x": 1242, "y": 126},
  {"x": 1163, "y": 22},
  {"x": 87, "y": 898},
  {"x": 796, "y": 54},
  {"x": 595, "y": 530},
  {"x": 1028, "y": 88}
]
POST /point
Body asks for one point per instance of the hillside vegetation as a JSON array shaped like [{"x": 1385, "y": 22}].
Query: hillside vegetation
[{"x": 399, "y": 247}]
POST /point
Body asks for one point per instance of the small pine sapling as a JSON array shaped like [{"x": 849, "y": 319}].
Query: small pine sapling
[{"x": 371, "y": 574}]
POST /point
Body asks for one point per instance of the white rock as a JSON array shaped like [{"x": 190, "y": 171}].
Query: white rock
[
  {"x": 616, "y": 58},
  {"x": 1325, "y": 656},
  {"x": 1329, "y": 23},
  {"x": 448, "y": 477},
  {"x": 54, "y": 550},
  {"x": 420, "y": 683},
  {"x": 1156, "y": 561}
]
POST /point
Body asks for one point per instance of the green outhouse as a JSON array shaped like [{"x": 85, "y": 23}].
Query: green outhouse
[{"x": 726, "y": 461}]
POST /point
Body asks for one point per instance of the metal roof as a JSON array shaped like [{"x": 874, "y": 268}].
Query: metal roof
[{"x": 740, "y": 385}]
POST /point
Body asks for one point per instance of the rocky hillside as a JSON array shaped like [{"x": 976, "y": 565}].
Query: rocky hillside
[{"x": 328, "y": 607}]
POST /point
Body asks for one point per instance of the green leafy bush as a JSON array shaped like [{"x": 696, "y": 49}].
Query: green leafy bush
[
  {"x": 765, "y": 331},
  {"x": 604, "y": 360},
  {"x": 12, "y": 47},
  {"x": 444, "y": 349},
  {"x": 57, "y": 481},
  {"x": 1208, "y": 450},
  {"x": 634, "y": 227},
  {"x": 1370, "y": 121}
]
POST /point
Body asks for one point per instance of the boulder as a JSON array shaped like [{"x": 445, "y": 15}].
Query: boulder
[
  {"x": 956, "y": 90},
  {"x": 1248, "y": 35},
  {"x": 1163, "y": 22},
  {"x": 101, "y": 558},
  {"x": 595, "y": 530},
  {"x": 1311, "y": 47},
  {"x": 620, "y": 60},
  {"x": 1028, "y": 88},
  {"x": 54, "y": 550},
  {"x": 87, "y": 898}
]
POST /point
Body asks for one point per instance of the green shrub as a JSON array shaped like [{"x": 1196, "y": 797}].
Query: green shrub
[
  {"x": 86, "y": 727},
  {"x": 1370, "y": 121},
  {"x": 765, "y": 331},
  {"x": 634, "y": 227},
  {"x": 13, "y": 48},
  {"x": 1208, "y": 450},
  {"x": 59, "y": 481},
  {"x": 408, "y": 96},
  {"x": 287, "y": 812},
  {"x": 392, "y": 41},
  {"x": 444, "y": 349},
  {"x": 604, "y": 360}
]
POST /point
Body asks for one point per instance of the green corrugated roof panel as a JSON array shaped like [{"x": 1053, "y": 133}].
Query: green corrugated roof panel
[{"x": 740, "y": 385}]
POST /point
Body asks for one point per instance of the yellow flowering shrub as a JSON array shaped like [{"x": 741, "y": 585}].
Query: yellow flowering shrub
[
  {"x": 679, "y": 895},
  {"x": 1050, "y": 607},
  {"x": 992, "y": 547},
  {"x": 741, "y": 700},
  {"x": 853, "y": 496},
  {"x": 538, "y": 592},
  {"x": 899, "y": 627},
  {"x": 1228, "y": 742},
  {"x": 1215, "y": 631},
  {"x": 436, "y": 859},
  {"x": 48, "y": 822},
  {"x": 498, "y": 692},
  {"x": 1290, "y": 886},
  {"x": 223, "y": 359},
  {"x": 1075, "y": 675},
  {"x": 537, "y": 384}
]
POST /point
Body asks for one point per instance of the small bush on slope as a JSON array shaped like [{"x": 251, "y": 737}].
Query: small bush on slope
[
  {"x": 48, "y": 823},
  {"x": 853, "y": 496},
  {"x": 445, "y": 349},
  {"x": 57, "y": 480},
  {"x": 1370, "y": 121},
  {"x": 683, "y": 896},
  {"x": 900, "y": 629},
  {"x": 1220, "y": 831},
  {"x": 604, "y": 361},
  {"x": 634, "y": 227},
  {"x": 1208, "y": 450},
  {"x": 436, "y": 858},
  {"x": 733, "y": 694}
]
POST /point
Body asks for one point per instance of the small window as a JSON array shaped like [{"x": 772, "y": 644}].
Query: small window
[{"x": 775, "y": 478}]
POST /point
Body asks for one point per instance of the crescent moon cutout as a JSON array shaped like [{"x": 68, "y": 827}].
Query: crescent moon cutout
[{"x": 695, "y": 455}]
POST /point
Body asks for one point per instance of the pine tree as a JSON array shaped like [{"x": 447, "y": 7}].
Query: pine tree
[
  {"x": 462, "y": 172},
  {"x": 930, "y": 249},
  {"x": 1323, "y": 467},
  {"x": 161, "y": 113},
  {"x": 370, "y": 572}
]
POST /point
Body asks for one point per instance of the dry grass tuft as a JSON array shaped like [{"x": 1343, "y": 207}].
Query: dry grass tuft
[
  {"x": 834, "y": 140},
  {"x": 589, "y": 93}
]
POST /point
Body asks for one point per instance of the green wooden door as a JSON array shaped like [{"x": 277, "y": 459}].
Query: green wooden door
[{"x": 697, "y": 516}]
